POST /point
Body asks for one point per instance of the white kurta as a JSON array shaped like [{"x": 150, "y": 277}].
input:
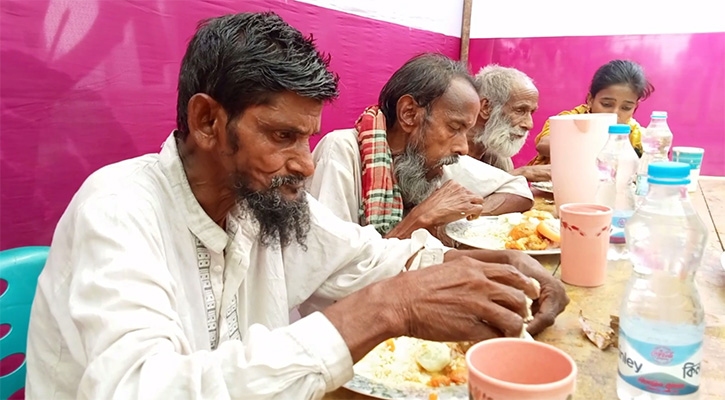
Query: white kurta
[
  {"x": 120, "y": 313},
  {"x": 337, "y": 181}
]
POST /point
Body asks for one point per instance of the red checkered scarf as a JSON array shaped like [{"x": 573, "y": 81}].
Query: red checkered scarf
[{"x": 382, "y": 204}]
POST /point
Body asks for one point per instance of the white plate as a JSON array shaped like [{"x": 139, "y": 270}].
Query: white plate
[
  {"x": 489, "y": 233},
  {"x": 363, "y": 385},
  {"x": 400, "y": 362},
  {"x": 547, "y": 187}
]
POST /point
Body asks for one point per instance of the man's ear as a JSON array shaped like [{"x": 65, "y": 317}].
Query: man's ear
[
  {"x": 410, "y": 114},
  {"x": 485, "y": 112},
  {"x": 207, "y": 120}
]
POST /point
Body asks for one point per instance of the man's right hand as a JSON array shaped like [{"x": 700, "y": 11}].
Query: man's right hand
[
  {"x": 449, "y": 203},
  {"x": 462, "y": 300}
]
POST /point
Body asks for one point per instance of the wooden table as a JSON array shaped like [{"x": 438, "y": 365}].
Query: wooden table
[{"x": 598, "y": 369}]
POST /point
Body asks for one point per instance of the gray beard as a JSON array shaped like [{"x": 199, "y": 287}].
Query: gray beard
[
  {"x": 499, "y": 137},
  {"x": 410, "y": 171},
  {"x": 281, "y": 221}
]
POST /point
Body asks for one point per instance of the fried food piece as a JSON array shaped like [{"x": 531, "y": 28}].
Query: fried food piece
[
  {"x": 531, "y": 242},
  {"x": 522, "y": 230},
  {"x": 515, "y": 244}
]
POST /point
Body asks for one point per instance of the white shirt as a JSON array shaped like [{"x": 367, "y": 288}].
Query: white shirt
[
  {"x": 337, "y": 181},
  {"x": 119, "y": 310}
]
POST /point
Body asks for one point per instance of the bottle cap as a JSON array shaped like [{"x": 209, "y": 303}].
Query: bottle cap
[
  {"x": 659, "y": 114},
  {"x": 619, "y": 129},
  {"x": 668, "y": 173}
]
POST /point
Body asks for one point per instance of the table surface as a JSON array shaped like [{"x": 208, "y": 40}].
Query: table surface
[{"x": 597, "y": 368}]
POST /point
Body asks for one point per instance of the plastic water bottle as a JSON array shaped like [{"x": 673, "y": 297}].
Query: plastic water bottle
[
  {"x": 661, "y": 318},
  {"x": 656, "y": 142},
  {"x": 617, "y": 166}
]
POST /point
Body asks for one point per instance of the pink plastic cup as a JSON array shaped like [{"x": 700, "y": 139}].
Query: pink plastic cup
[
  {"x": 584, "y": 243},
  {"x": 519, "y": 369}
]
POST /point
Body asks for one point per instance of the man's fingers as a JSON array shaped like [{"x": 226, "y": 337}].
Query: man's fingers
[
  {"x": 546, "y": 308},
  {"x": 501, "y": 318},
  {"x": 509, "y": 275},
  {"x": 511, "y": 298},
  {"x": 542, "y": 320},
  {"x": 473, "y": 211}
]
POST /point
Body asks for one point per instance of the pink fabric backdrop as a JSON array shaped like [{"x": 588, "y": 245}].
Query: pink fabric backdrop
[
  {"x": 687, "y": 70},
  {"x": 89, "y": 82}
]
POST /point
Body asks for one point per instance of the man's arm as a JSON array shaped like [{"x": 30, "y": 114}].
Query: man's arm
[
  {"x": 503, "y": 203},
  {"x": 369, "y": 285},
  {"x": 461, "y": 300},
  {"x": 534, "y": 173}
]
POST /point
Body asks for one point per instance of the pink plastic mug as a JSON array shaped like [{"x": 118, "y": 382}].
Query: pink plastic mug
[
  {"x": 519, "y": 369},
  {"x": 584, "y": 243}
]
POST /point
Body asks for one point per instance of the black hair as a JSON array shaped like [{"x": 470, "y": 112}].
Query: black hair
[
  {"x": 621, "y": 72},
  {"x": 425, "y": 77},
  {"x": 242, "y": 60}
]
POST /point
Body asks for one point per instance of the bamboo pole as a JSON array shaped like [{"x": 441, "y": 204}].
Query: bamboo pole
[{"x": 466, "y": 30}]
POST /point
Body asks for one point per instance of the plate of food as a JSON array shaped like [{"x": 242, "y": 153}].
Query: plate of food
[
  {"x": 413, "y": 369},
  {"x": 533, "y": 232},
  {"x": 547, "y": 186},
  {"x": 417, "y": 369}
]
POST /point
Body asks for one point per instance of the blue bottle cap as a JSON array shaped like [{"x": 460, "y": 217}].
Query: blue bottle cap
[
  {"x": 619, "y": 129},
  {"x": 668, "y": 173}
]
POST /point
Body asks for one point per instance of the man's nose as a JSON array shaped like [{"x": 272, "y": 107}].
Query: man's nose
[
  {"x": 528, "y": 122},
  {"x": 301, "y": 162},
  {"x": 460, "y": 145}
]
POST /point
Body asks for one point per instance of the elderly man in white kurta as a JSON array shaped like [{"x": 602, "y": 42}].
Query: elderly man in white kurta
[
  {"x": 171, "y": 275},
  {"x": 404, "y": 166}
]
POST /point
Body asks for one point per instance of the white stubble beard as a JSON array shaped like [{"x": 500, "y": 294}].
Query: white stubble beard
[{"x": 499, "y": 137}]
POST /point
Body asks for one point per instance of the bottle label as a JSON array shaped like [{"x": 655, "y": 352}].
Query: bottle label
[
  {"x": 661, "y": 369},
  {"x": 642, "y": 185},
  {"x": 618, "y": 222}
]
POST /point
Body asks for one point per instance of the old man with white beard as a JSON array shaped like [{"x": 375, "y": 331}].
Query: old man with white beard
[{"x": 508, "y": 101}]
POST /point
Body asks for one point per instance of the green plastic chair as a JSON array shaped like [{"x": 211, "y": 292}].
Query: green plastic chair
[{"x": 19, "y": 271}]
